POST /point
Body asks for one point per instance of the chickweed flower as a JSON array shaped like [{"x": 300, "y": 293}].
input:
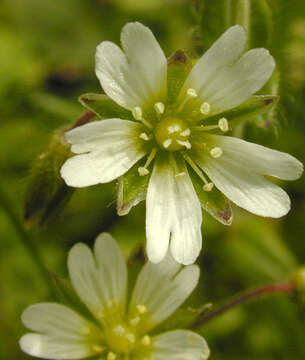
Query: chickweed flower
[
  {"x": 170, "y": 144},
  {"x": 120, "y": 327}
]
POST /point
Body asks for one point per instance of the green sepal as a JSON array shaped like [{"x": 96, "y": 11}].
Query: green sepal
[
  {"x": 67, "y": 296},
  {"x": 47, "y": 192},
  {"x": 183, "y": 318},
  {"x": 214, "y": 202},
  {"x": 104, "y": 107},
  {"x": 178, "y": 68},
  {"x": 256, "y": 105},
  {"x": 131, "y": 190}
]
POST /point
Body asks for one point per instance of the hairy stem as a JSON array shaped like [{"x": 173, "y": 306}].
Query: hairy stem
[
  {"x": 25, "y": 239},
  {"x": 255, "y": 293}
]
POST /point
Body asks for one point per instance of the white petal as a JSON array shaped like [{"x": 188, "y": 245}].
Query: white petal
[
  {"x": 54, "y": 347},
  {"x": 172, "y": 207},
  {"x": 259, "y": 159},
  {"x": 247, "y": 189},
  {"x": 62, "y": 336},
  {"x": 179, "y": 345},
  {"x": 113, "y": 145},
  {"x": 235, "y": 84},
  {"x": 163, "y": 287},
  {"x": 223, "y": 79},
  {"x": 111, "y": 266},
  {"x": 139, "y": 75},
  {"x": 52, "y": 318},
  {"x": 223, "y": 53},
  {"x": 92, "y": 278}
]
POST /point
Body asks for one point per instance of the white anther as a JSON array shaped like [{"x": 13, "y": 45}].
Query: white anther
[
  {"x": 186, "y": 132},
  {"x": 135, "y": 321},
  {"x": 98, "y": 348},
  {"x": 180, "y": 174},
  {"x": 159, "y": 108},
  {"x": 137, "y": 113},
  {"x": 119, "y": 330},
  {"x": 131, "y": 338},
  {"x": 191, "y": 93},
  {"x": 146, "y": 340},
  {"x": 173, "y": 128},
  {"x": 144, "y": 136},
  {"x": 111, "y": 356},
  {"x": 186, "y": 143},
  {"x": 223, "y": 124},
  {"x": 205, "y": 108},
  {"x": 167, "y": 143},
  {"x": 216, "y": 152},
  {"x": 143, "y": 171},
  {"x": 208, "y": 187},
  {"x": 142, "y": 309}
]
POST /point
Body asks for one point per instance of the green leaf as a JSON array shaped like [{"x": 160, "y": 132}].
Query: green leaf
[
  {"x": 104, "y": 107},
  {"x": 179, "y": 66},
  {"x": 214, "y": 202},
  {"x": 131, "y": 190}
]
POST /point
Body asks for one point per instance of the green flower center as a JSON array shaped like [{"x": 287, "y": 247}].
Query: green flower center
[{"x": 172, "y": 134}]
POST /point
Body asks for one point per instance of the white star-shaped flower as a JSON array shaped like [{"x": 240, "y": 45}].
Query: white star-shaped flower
[
  {"x": 116, "y": 331},
  {"x": 172, "y": 136}
]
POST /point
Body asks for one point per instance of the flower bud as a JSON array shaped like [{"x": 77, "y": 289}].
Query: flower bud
[{"x": 46, "y": 192}]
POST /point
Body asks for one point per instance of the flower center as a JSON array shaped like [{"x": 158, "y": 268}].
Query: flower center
[{"x": 172, "y": 134}]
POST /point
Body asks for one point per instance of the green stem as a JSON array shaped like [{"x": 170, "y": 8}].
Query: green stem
[
  {"x": 280, "y": 288},
  {"x": 26, "y": 240}
]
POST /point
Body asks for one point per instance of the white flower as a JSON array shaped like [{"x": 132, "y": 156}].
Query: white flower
[
  {"x": 117, "y": 330},
  {"x": 168, "y": 131}
]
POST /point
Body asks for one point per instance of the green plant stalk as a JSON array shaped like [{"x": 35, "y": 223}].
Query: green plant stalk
[
  {"x": 267, "y": 290},
  {"x": 26, "y": 240}
]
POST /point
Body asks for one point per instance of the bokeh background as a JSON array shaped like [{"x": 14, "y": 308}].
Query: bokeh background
[{"x": 47, "y": 61}]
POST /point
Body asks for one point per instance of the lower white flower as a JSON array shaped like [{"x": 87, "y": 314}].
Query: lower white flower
[
  {"x": 171, "y": 133},
  {"x": 116, "y": 331}
]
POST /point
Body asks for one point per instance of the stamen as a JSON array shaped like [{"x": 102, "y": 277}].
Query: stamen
[
  {"x": 186, "y": 132},
  {"x": 119, "y": 330},
  {"x": 98, "y": 348},
  {"x": 186, "y": 143},
  {"x": 223, "y": 124},
  {"x": 137, "y": 113},
  {"x": 159, "y": 108},
  {"x": 142, "y": 309},
  {"x": 205, "y": 108},
  {"x": 135, "y": 321},
  {"x": 131, "y": 338},
  {"x": 216, "y": 152},
  {"x": 146, "y": 340},
  {"x": 173, "y": 129},
  {"x": 142, "y": 170},
  {"x": 144, "y": 136},
  {"x": 111, "y": 356},
  {"x": 208, "y": 187},
  {"x": 180, "y": 174},
  {"x": 190, "y": 94},
  {"x": 167, "y": 143},
  {"x": 195, "y": 168}
]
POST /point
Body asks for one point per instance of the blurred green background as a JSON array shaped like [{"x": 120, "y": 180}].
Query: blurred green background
[{"x": 47, "y": 61}]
